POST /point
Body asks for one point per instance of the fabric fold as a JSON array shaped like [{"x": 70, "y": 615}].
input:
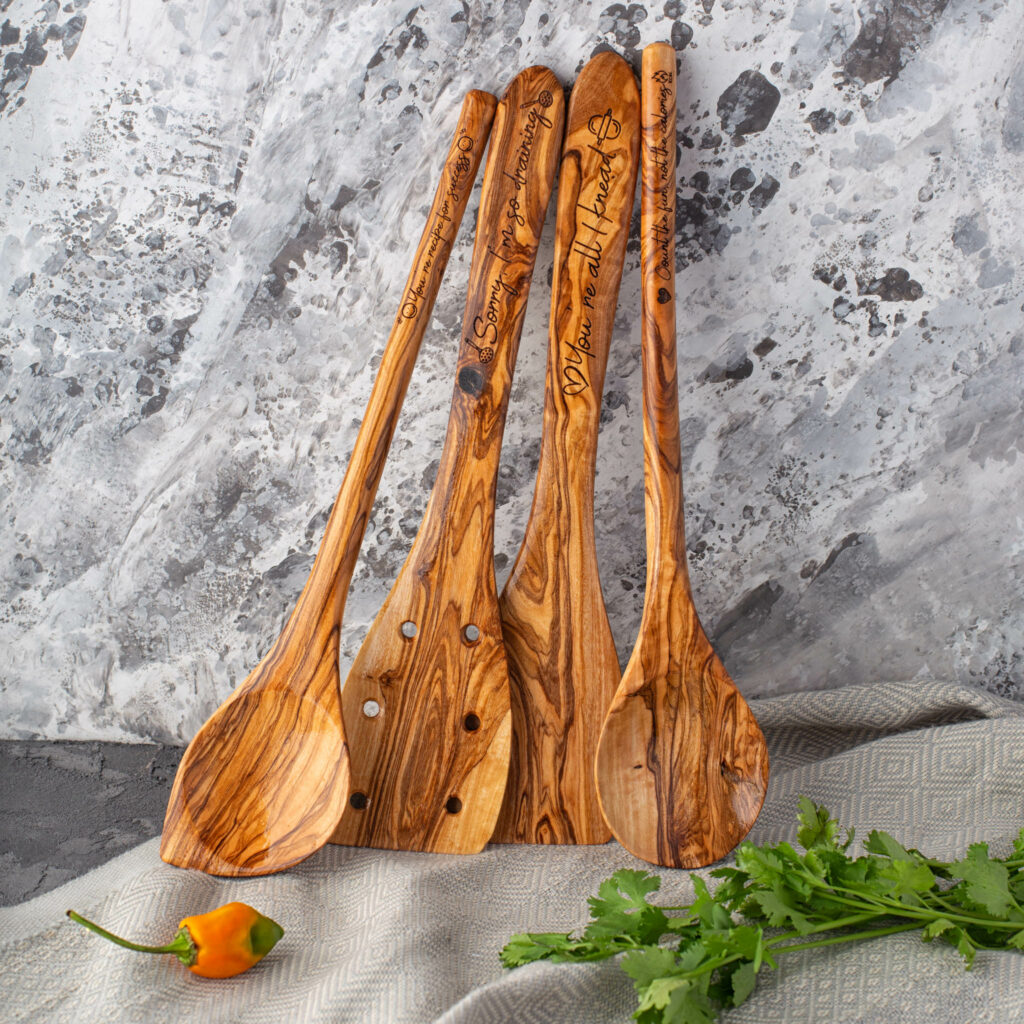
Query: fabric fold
[{"x": 402, "y": 938}]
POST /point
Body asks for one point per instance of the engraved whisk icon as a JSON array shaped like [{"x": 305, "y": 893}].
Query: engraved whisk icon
[{"x": 486, "y": 354}]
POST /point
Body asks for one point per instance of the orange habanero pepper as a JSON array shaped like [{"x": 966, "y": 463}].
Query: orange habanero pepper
[{"x": 220, "y": 944}]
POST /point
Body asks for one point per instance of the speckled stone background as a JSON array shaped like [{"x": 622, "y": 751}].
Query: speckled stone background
[{"x": 206, "y": 219}]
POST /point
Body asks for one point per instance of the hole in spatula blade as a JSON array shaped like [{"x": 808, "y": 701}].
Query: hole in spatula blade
[
  {"x": 454, "y": 805},
  {"x": 359, "y": 801},
  {"x": 471, "y": 633},
  {"x": 408, "y": 629},
  {"x": 371, "y": 708},
  {"x": 471, "y": 722}
]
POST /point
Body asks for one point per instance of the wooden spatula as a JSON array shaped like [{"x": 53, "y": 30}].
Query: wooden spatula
[
  {"x": 425, "y": 705},
  {"x": 681, "y": 765},
  {"x": 263, "y": 783},
  {"x": 562, "y": 664}
]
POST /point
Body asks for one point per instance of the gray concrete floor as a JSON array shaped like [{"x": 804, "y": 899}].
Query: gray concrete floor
[{"x": 68, "y": 807}]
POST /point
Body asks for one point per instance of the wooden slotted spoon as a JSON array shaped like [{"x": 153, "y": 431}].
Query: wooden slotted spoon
[
  {"x": 682, "y": 765},
  {"x": 562, "y": 664},
  {"x": 263, "y": 783},
  {"x": 426, "y": 705}
]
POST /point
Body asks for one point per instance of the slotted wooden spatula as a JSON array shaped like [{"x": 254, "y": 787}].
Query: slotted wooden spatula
[
  {"x": 263, "y": 783},
  {"x": 682, "y": 765},
  {"x": 425, "y": 704},
  {"x": 563, "y": 668}
]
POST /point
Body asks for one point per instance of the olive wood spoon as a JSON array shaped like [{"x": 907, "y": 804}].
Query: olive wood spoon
[
  {"x": 563, "y": 668},
  {"x": 681, "y": 765},
  {"x": 262, "y": 784},
  {"x": 426, "y": 705}
]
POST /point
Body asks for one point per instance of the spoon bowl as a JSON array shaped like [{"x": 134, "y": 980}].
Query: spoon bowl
[
  {"x": 681, "y": 764},
  {"x": 263, "y": 783},
  {"x": 259, "y": 822}
]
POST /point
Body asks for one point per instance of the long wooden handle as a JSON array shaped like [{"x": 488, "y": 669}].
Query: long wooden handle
[
  {"x": 666, "y": 546},
  {"x": 426, "y": 704},
  {"x": 514, "y": 198},
  {"x": 681, "y": 765},
  {"x": 563, "y": 667},
  {"x": 343, "y": 537},
  {"x": 597, "y": 182},
  {"x": 263, "y": 783}
]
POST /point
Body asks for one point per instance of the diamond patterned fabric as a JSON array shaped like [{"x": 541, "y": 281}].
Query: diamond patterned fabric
[{"x": 398, "y": 938}]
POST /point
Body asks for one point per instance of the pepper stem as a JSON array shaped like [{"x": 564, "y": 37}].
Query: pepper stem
[{"x": 181, "y": 945}]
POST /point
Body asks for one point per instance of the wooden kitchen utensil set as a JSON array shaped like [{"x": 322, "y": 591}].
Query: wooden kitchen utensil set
[{"x": 469, "y": 717}]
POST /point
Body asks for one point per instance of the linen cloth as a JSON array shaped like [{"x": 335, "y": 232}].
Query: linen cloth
[{"x": 405, "y": 938}]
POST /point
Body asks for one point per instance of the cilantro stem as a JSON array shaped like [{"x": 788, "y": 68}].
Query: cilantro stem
[
  {"x": 830, "y": 926},
  {"x": 777, "y": 943},
  {"x": 934, "y": 897},
  {"x": 907, "y": 910},
  {"x": 771, "y": 944},
  {"x": 870, "y": 933},
  {"x": 888, "y": 907}
]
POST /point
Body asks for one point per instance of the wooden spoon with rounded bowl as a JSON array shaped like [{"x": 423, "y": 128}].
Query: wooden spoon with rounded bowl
[
  {"x": 682, "y": 765},
  {"x": 263, "y": 783},
  {"x": 563, "y": 669},
  {"x": 425, "y": 704}
]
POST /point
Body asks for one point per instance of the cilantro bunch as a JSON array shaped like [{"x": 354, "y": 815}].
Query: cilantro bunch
[{"x": 689, "y": 962}]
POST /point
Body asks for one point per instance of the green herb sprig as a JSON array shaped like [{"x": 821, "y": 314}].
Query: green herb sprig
[{"x": 689, "y": 962}]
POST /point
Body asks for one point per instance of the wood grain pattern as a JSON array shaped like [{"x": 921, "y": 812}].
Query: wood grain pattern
[
  {"x": 563, "y": 668},
  {"x": 682, "y": 765},
  {"x": 263, "y": 783},
  {"x": 427, "y": 716}
]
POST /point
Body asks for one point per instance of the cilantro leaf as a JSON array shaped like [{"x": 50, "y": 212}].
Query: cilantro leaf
[
  {"x": 656, "y": 995},
  {"x": 907, "y": 879},
  {"x": 745, "y": 940},
  {"x": 525, "y": 948},
  {"x": 778, "y": 912},
  {"x": 688, "y": 1004},
  {"x": 666, "y": 985},
  {"x": 964, "y": 946},
  {"x": 732, "y": 891},
  {"x": 1018, "y": 845},
  {"x": 621, "y": 909},
  {"x": 627, "y": 887},
  {"x": 986, "y": 880},
  {"x": 936, "y": 928},
  {"x": 648, "y": 965},
  {"x": 744, "y": 979},
  {"x": 818, "y": 829},
  {"x": 883, "y": 844},
  {"x": 944, "y": 929},
  {"x": 706, "y": 908},
  {"x": 762, "y": 865}
]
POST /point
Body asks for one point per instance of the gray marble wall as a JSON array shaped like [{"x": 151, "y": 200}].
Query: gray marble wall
[{"x": 207, "y": 216}]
